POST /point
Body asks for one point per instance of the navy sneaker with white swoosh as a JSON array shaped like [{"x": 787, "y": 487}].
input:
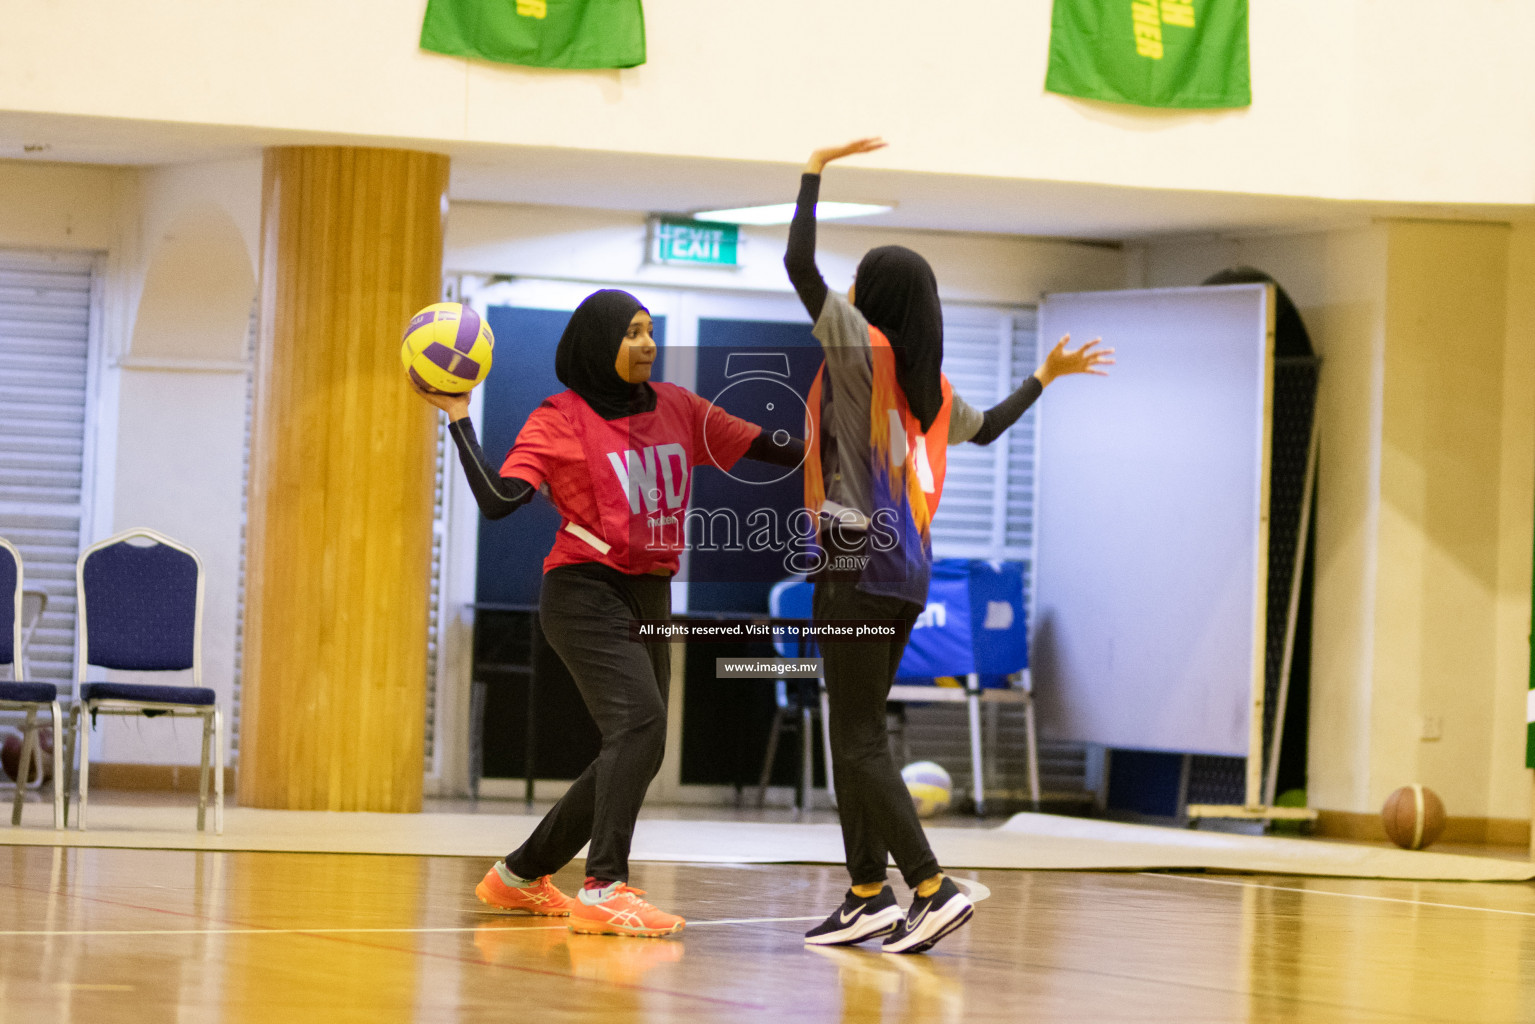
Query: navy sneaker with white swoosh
[
  {"x": 930, "y": 919},
  {"x": 858, "y": 918}
]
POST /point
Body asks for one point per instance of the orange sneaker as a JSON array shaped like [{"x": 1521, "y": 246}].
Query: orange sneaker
[
  {"x": 621, "y": 913},
  {"x": 598, "y": 958},
  {"x": 512, "y": 939},
  {"x": 541, "y": 897}
]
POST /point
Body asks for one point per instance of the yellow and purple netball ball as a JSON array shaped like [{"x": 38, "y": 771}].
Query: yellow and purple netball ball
[
  {"x": 930, "y": 787},
  {"x": 447, "y": 348}
]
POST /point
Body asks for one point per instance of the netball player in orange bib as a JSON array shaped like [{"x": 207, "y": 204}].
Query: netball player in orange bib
[
  {"x": 881, "y": 416},
  {"x": 615, "y": 454}
]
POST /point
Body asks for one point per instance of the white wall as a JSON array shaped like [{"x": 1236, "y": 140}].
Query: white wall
[
  {"x": 1337, "y": 280},
  {"x": 1427, "y": 420},
  {"x": 1407, "y": 100},
  {"x": 603, "y": 246},
  {"x": 181, "y": 246},
  {"x": 181, "y": 429},
  {"x": 167, "y": 425},
  {"x": 1354, "y": 99},
  {"x": 170, "y": 437},
  {"x": 60, "y": 206},
  {"x": 180, "y": 439},
  {"x": 1515, "y": 531}
]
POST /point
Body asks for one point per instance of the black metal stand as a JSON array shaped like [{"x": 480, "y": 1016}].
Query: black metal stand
[{"x": 477, "y": 704}]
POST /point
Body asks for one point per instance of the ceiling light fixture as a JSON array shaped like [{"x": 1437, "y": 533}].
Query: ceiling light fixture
[{"x": 783, "y": 213}]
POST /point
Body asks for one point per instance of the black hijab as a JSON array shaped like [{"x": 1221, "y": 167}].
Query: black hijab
[
  {"x": 584, "y": 360},
  {"x": 896, "y": 291}
]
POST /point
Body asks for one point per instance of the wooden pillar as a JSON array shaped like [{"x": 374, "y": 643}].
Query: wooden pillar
[{"x": 340, "y": 502}]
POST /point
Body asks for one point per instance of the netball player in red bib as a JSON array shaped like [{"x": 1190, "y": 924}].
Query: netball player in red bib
[
  {"x": 881, "y": 415},
  {"x": 615, "y": 454}
]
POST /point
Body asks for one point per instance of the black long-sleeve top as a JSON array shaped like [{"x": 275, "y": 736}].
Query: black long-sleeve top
[
  {"x": 799, "y": 261},
  {"x": 499, "y": 496}
]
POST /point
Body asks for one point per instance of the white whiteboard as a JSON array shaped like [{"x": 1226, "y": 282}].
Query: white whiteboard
[{"x": 1152, "y": 512}]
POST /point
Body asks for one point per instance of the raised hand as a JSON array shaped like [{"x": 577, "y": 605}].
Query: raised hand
[
  {"x": 821, "y": 157},
  {"x": 1062, "y": 361}
]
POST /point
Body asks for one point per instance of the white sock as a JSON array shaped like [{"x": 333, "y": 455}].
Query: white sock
[
  {"x": 507, "y": 878},
  {"x": 592, "y": 897}
]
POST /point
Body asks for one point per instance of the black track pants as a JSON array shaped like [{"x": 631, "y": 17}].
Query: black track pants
[
  {"x": 584, "y": 611},
  {"x": 878, "y": 819}
]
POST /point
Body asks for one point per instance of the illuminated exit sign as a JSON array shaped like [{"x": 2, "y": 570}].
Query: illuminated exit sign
[{"x": 694, "y": 242}]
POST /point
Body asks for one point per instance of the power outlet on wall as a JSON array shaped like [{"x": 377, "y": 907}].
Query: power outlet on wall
[{"x": 1433, "y": 727}]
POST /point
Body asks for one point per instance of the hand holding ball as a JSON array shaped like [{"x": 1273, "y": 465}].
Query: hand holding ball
[
  {"x": 447, "y": 348},
  {"x": 1413, "y": 816}
]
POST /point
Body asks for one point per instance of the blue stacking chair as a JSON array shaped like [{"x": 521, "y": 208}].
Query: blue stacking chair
[
  {"x": 16, "y": 694},
  {"x": 140, "y": 609}
]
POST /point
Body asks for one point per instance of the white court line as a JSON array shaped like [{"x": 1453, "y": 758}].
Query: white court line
[
  {"x": 755, "y": 920},
  {"x": 365, "y": 931},
  {"x": 972, "y": 889},
  {"x": 1346, "y": 895},
  {"x": 250, "y": 931}
]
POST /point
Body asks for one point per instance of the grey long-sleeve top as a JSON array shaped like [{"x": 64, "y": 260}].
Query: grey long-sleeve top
[{"x": 844, "y": 336}]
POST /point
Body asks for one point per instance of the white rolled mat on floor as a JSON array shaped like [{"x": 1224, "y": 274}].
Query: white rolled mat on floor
[{"x": 1025, "y": 841}]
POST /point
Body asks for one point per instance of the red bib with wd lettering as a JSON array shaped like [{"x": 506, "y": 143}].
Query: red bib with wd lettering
[{"x": 638, "y": 475}]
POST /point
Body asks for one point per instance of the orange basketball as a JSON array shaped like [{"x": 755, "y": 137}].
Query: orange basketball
[
  {"x": 10, "y": 754},
  {"x": 1413, "y": 816}
]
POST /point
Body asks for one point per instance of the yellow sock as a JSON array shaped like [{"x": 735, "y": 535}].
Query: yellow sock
[
  {"x": 928, "y": 887},
  {"x": 863, "y": 892}
]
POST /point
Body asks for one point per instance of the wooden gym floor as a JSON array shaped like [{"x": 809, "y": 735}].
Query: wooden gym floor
[{"x": 105, "y": 936}]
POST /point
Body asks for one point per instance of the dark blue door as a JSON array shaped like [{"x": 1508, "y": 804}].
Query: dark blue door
[{"x": 760, "y": 371}]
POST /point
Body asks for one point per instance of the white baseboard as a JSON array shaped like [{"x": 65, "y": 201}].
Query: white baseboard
[{"x": 683, "y": 796}]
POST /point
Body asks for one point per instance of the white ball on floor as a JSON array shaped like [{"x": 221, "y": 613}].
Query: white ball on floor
[{"x": 930, "y": 787}]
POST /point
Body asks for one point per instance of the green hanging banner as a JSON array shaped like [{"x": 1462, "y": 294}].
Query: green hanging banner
[
  {"x": 571, "y": 34},
  {"x": 1152, "y": 53}
]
